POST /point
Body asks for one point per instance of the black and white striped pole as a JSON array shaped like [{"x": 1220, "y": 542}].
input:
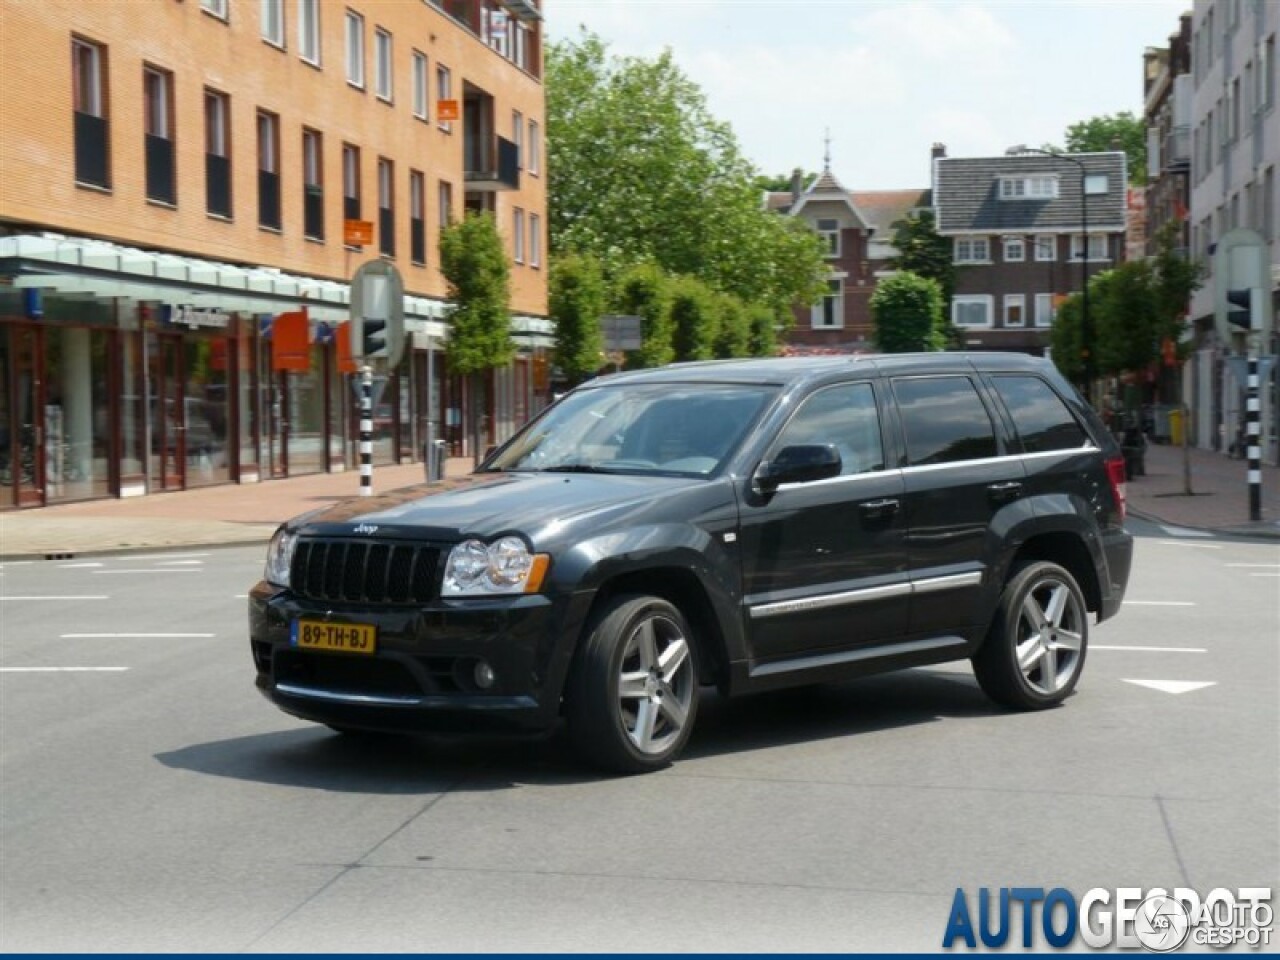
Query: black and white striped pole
[
  {"x": 366, "y": 431},
  {"x": 1248, "y": 318}
]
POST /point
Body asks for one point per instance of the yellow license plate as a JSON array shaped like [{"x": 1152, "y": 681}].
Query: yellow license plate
[{"x": 337, "y": 637}]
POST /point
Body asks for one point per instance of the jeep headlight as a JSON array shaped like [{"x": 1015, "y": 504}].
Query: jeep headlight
[
  {"x": 504, "y": 566},
  {"x": 280, "y": 557}
]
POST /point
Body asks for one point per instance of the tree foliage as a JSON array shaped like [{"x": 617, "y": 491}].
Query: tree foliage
[
  {"x": 907, "y": 312},
  {"x": 764, "y": 322},
  {"x": 693, "y": 319},
  {"x": 643, "y": 291},
  {"x": 925, "y": 252},
  {"x": 577, "y": 301},
  {"x": 641, "y": 172},
  {"x": 1117, "y": 131},
  {"x": 474, "y": 263},
  {"x": 780, "y": 182},
  {"x": 733, "y": 327}
]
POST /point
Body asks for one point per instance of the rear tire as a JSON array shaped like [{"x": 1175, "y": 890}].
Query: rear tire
[
  {"x": 633, "y": 690},
  {"x": 1035, "y": 650}
]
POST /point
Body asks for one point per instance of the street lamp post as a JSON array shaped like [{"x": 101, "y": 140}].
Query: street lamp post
[{"x": 1086, "y": 322}]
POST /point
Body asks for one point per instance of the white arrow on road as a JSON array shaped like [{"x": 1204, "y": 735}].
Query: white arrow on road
[{"x": 1173, "y": 686}]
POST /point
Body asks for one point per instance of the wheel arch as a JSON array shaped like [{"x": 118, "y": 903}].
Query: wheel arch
[{"x": 1068, "y": 549}]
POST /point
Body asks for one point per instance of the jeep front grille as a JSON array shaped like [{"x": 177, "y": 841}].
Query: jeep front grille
[{"x": 364, "y": 571}]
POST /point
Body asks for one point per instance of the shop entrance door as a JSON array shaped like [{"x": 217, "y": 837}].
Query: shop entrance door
[
  {"x": 22, "y": 425},
  {"x": 166, "y": 402}
]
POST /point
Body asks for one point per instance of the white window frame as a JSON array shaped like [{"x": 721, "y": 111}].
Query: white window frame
[
  {"x": 421, "y": 90},
  {"x": 834, "y": 296},
  {"x": 355, "y": 49},
  {"x": 1015, "y": 250},
  {"x": 1015, "y": 302},
  {"x": 272, "y": 16},
  {"x": 217, "y": 123},
  {"x": 1097, "y": 247},
  {"x": 1044, "y": 310},
  {"x": 216, "y": 8},
  {"x": 383, "y": 54},
  {"x": 312, "y": 158},
  {"x": 1046, "y": 247},
  {"x": 535, "y": 240},
  {"x": 535, "y": 147},
  {"x": 309, "y": 31},
  {"x": 517, "y": 241},
  {"x": 967, "y": 250},
  {"x": 158, "y": 89},
  {"x": 268, "y": 142},
  {"x": 1096, "y": 184},
  {"x": 87, "y": 71},
  {"x": 1040, "y": 187},
  {"x": 444, "y": 91},
  {"x": 984, "y": 300},
  {"x": 386, "y": 185},
  {"x": 830, "y": 236}
]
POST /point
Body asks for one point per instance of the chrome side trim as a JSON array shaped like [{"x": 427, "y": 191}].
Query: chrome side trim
[
  {"x": 853, "y": 656},
  {"x": 949, "y": 582},
  {"x": 828, "y": 600},
  {"x": 314, "y": 693},
  {"x": 1009, "y": 458}
]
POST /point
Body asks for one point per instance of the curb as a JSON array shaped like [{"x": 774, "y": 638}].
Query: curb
[
  {"x": 1261, "y": 533},
  {"x": 90, "y": 552}
]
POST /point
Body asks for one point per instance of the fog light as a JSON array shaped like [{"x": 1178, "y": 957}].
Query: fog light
[{"x": 484, "y": 675}]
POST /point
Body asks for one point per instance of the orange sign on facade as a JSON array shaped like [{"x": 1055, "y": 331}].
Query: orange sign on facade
[
  {"x": 291, "y": 342},
  {"x": 357, "y": 233},
  {"x": 446, "y": 109}
]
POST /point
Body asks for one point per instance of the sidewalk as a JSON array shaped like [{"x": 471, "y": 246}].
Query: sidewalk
[{"x": 249, "y": 513}]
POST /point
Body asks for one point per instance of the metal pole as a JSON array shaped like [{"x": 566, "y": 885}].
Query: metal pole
[
  {"x": 1086, "y": 325},
  {"x": 1253, "y": 440},
  {"x": 366, "y": 431}
]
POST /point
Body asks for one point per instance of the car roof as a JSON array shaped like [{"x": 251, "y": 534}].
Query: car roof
[{"x": 786, "y": 370}]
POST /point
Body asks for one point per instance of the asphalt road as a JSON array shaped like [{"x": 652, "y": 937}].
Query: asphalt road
[{"x": 150, "y": 799}]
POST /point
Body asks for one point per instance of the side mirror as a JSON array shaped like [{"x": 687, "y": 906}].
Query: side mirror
[{"x": 801, "y": 463}]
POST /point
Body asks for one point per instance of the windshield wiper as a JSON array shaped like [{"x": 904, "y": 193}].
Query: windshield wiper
[{"x": 576, "y": 468}]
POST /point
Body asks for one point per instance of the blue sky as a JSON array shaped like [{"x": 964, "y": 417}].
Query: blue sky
[{"x": 890, "y": 77}]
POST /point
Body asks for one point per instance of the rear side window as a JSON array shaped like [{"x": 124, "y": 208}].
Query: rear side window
[
  {"x": 845, "y": 416},
  {"x": 1039, "y": 414},
  {"x": 944, "y": 420}
]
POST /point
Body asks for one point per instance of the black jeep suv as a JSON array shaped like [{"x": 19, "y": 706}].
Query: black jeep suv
[{"x": 748, "y": 524}]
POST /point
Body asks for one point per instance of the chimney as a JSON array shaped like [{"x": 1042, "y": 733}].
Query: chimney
[
  {"x": 796, "y": 184},
  {"x": 939, "y": 150}
]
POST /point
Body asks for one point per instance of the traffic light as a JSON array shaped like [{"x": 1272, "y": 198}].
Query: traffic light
[
  {"x": 373, "y": 335},
  {"x": 1241, "y": 318}
]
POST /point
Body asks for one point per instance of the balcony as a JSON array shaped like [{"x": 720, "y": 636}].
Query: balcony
[
  {"x": 159, "y": 161},
  {"x": 217, "y": 178},
  {"x": 491, "y": 164},
  {"x": 91, "y": 150},
  {"x": 313, "y": 211},
  {"x": 1177, "y": 149}
]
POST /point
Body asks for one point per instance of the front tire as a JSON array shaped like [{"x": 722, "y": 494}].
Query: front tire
[
  {"x": 633, "y": 692},
  {"x": 1033, "y": 655}
]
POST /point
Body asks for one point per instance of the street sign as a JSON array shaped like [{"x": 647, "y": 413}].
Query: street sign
[
  {"x": 621, "y": 332},
  {"x": 1241, "y": 262},
  {"x": 357, "y": 233},
  {"x": 446, "y": 110},
  {"x": 377, "y": 315}
]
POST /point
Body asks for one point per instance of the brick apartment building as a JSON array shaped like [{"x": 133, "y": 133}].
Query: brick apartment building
[{"x": 175, "y": 180}]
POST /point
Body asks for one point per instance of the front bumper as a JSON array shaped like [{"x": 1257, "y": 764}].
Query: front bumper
[{"x": 421, "y": 677}]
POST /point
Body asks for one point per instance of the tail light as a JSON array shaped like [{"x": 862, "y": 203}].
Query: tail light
[{"x": 1116, "y": 474}]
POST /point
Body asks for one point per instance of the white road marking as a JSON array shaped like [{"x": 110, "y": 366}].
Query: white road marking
[
  {"x": 1159, "y": 603},
  {"x": 180, "y": 563},
  {"x": 117, "y": 636},
  {"x": 1183, "y": 543},
  {"x": 76, "y": 566},
  {"x": 1184, "y": 532},
  {"x": 1173, "y": 686},
  {"x": 164, "y": 556},
  {"x": 96, "y": 596},
  {"x": 1264, "y": 574},
  {"x": 1268, "y": 566},
  {"x": 16, "y": 563},
  {"x": 152, "y": 570},
  {"x": 63, "y": 669},
  {"x": 241, "y": 596},
  {"x": 1099, "y": 646}
]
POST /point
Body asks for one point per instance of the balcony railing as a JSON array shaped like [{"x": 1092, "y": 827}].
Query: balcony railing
[
  {"x": 386, "y": 232},
  {"x": 313, "y": 211},
  {"x": 91, "y": 150},
  {"x": 159, "y": 158},
  {"x": 1177, "y": 149},
  {"x": 269, "y": 199},
  {"x": 217, "y": 184},
  {"x": 492, "y": 164}
]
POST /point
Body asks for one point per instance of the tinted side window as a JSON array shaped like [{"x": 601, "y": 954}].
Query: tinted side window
[
  {"x": 944, "y": 420},
  {"x": 845, "y": 416},
  {"x": 1042, "y": 419}
]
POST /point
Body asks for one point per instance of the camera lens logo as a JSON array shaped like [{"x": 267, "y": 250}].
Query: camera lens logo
[{"x": 1161, "y": 924}]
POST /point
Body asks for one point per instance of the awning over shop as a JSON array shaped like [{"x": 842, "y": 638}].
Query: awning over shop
[{"x": 97, "y": 268}]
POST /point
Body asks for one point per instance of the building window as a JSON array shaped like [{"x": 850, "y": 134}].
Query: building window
[
  {"x": 350, "y": 182},
  {"x": 445, "y": 203},
  {"x": 273, "y": 22},
  {"x": 1269, "y": 204},
  {"x": 1015, "y": 250},
  {"x": 971, "y": 310},
  {"x": 444, "y": 91},
  {"x": 216, "y": 7},
  {"x": 1028, "y": 188},
  {"x": 157, "y": 87},
  {"x": 355, "y": 49},
  {"x": 312, "y": 184},
  {"x": 89, "y": 82},
  {"x": 417, "y": 217},
  {"x": 535, "y": 240},
  {"x": 1096, "y": 184},
  {"x": 828, "y": 314},
  {"x": 419, "y": 85},
  {"x": 268, "y": 170},
  {"x": 535, "y": 146},
  {"x": 309, "y": 31},
  {"x": 1097, "y": 246},
  {"x": 217, "y": 153},
  {"x": 382, "y": 64},
  {"x": 1046, "y": 249},
  {"x": 1267, "y": 75},
  {"x": 517, "y": 242},
  {"x": 1015, "y": 310},
  {"x": 517, "y": 137},
  {"x": 829, "y": 231},
  {"x": 386, "y": 209},
  {"x": 972, "y": 250},
  {"x": 1044, "y": 309}
]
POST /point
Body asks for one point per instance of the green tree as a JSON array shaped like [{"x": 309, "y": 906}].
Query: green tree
[
  {"x": 925, "y": 252},
  {"x": 733, "y": 328},
  {"x": 642, "y": 291},
  {"x": 907, "y": 312},
  {"x": 478, "y": 276},
  {"x": 693, "y": 318},
  {"x": 764, "y": 324},
  {"x": 779, "y": 182},
  {"x": 577, "y": 302},
  {"x": 1117, "y": 131},
  {"x": 1065, "y": 340}
]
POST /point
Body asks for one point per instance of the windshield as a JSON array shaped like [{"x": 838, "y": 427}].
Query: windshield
[{"x": 670, "y": 428}]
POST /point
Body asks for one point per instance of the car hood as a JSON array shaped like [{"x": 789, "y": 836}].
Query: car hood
[{"x": 487, "y": 505}]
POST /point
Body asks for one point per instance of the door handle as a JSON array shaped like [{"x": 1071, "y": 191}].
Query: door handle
[
  {"x": 878, "y": 508},
  {"x": 1009, "y": 490}
]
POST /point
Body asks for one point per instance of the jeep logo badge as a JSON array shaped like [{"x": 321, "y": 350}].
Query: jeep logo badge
[{"x": 367, "y": 528}]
